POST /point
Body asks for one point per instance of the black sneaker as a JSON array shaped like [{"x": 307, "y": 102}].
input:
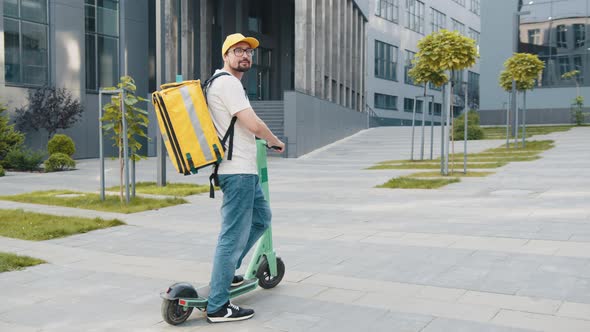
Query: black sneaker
[
  {"x": 238, "y": 280},
  {"x": 229, "y": 313}
]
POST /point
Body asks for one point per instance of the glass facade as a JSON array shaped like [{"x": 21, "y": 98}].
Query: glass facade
[{"x": 555, "y": 30}]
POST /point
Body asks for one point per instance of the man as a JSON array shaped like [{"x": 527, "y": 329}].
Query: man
[{"x": 245, "y": 212}]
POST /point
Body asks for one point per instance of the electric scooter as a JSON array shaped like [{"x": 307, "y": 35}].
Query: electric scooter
[{"x": 265, "y": 268}]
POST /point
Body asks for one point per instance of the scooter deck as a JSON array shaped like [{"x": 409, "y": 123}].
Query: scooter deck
[{"x": 203, "y": 292}]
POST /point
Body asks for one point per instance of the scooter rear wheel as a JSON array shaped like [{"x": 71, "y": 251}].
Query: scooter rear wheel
[
  {"x": 265, "y": 279},
  {"x": 173, "y": 313}
]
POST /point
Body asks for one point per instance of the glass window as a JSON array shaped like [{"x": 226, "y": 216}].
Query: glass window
[
  {"x": 385, "y": 61},
  {"x": 564, "y": 64},
  {"x": 561, "y": 31},
  {"x": 580, "y": 35},
  {"x": 461, "y": 2},
  {"x": 387, "y": 9},
  {"x": 457, "y": 26},
  {"x": 34, "y": 10},
  {"x": 534, "y": 36},
  {"x": 11, "y": 8},
  {"x": 473, "y": 89},
  {"x": 415, "y": 15},
  {"x": 474, "y": 8},
  {"x": 437, "y": 108},
  {"x": 438, "y": 20},
  {"x": 26, "y": 42},
  {"x": 408, "y": 105},
  {"x": 102, "y": 43},
  {"x": 407, "y": 66},
  {"x": 474, "y": 35},
  {"x": 386, "y": 102},
  {"x": 419, "y": 105}
]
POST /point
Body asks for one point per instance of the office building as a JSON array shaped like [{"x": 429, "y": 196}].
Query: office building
[{"x": 556, "y": 31}]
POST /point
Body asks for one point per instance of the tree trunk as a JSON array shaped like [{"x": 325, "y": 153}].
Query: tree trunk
[{"x": 121, "y": 171}]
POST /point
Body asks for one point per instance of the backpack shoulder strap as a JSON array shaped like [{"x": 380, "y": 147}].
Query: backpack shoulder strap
[
  {"x": 210, "y": 80},
  {"x": 229, "y": 134}
]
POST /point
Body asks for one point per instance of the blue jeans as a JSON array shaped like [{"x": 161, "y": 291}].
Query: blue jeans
[{"x": 246, "y": 215}]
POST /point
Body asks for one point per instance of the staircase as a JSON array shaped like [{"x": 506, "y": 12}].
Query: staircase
[{"x": 273, "y": 114}]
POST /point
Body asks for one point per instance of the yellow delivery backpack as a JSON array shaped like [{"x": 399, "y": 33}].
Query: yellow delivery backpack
[{"x": 187, "y": 129}]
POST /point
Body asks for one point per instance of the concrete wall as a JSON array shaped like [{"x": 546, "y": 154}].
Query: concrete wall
[
  {"x": 547, "y": 105},
  {"x": 311, "y": 122},
  {"x": 533, "y": 116}
]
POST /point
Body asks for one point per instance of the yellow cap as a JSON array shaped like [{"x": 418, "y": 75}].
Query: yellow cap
[{"x": 235, "y": 38}]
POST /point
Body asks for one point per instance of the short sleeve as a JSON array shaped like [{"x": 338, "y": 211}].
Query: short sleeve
[{"x": 233, "y": 96}]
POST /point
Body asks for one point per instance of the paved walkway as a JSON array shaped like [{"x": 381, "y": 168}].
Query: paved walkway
[{"x": 509, "y": 252}]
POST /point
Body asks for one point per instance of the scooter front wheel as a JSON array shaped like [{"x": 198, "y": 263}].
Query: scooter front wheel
[
  {"x": 173, "y": 313},
  {"x": 265, "y": 279}
]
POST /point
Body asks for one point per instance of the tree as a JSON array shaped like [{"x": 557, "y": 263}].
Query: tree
[
  {"x": 577, "y": 112},
  {"x": 447, "y": 51},
  {"x": 136, "y": 118},
  {"x": 523, "y": 68},
  {"x": 9, "y": 137},
  {"x": 50, "y": 109},
  {"x": 505, "y": 81},
  {"x": 573, "y": 75}
]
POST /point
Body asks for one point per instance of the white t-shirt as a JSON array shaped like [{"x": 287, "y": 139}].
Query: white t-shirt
[{"x": 225, "y": 98}]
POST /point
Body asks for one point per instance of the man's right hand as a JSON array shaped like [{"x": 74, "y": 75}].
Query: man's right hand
[{"x": 278, "y": 146}]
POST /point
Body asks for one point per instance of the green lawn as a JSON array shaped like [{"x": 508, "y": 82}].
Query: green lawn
[
  {"x": 12, "y": 262},
  {"x": 92, "y": 201},
  {"x": 171, "y": 189},
  {"x": 471, "y": 158},
  {"x": 531, "y": 146},
  {"x": 457, "y": 173},
  {"x": 500, "y": 132},
  {"x": 23, "y": 225},
  {"x": 490, "y": 158},
  {"x": 409, "y": 183},
  {"x": 436, "y": 165}
]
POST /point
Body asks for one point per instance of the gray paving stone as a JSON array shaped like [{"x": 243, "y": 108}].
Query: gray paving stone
[
  {"x": 328, "y": 219},
  {"x": 446, "y": 325}
]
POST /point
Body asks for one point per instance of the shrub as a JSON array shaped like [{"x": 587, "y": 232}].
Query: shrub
[
  {"x": 61, "y": 144},
  {"x": 23, "y": 160},
  {"x": 50, "y": 109},
  {"x": 2, "y": 173},
  {"x": 9, "y": 137},
  {"x": 58, "y": 162},
  {"x": 474, "y": 131}
]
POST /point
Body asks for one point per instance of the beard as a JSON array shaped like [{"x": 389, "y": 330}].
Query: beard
[{"x": 243, "y": 66}]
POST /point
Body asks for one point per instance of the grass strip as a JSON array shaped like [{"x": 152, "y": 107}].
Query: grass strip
[
  {"x": 171, "y": 189},
  {"x": 12, "y": 262},
  {"x": 531, "y": 146},
  {"x": 500, "y": 132},
  {"x": 436, "y": 166},
  {"x": 31, "y": 226},
  {"x": 469, "y": 159},
  {"x": 455, "y": 174},
  {"x": 91, "y": 201},
  {"x": 409, "y": 183}
]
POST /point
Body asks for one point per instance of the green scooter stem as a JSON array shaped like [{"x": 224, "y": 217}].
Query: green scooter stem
[{"x": 264, "y": 245}]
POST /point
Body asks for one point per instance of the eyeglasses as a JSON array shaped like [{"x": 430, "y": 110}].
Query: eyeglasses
[{"x": 240, "y": 51}]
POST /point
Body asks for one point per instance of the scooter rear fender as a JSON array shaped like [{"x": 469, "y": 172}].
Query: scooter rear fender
[{"x": 179, "y": 290}]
